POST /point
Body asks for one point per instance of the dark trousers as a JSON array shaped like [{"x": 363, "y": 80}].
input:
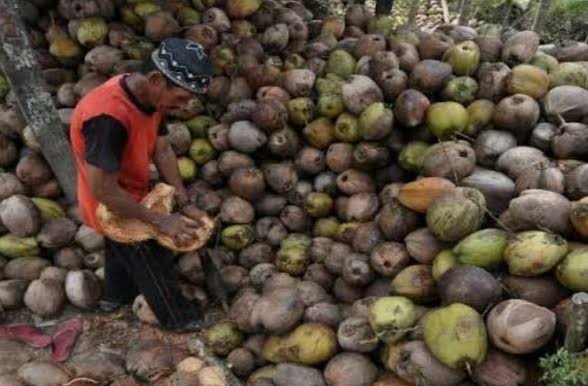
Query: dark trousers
[{"x": 147, "y": 268}]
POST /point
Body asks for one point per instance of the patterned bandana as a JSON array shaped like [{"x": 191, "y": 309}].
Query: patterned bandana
[{"x": 185, "y": 63}]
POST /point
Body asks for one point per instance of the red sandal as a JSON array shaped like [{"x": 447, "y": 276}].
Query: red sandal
[
  {"x": 25, "y": 333},
  {"x": 65, "y": 338}
]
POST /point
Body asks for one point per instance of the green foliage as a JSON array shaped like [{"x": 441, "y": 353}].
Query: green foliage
[
  {"x": 574, "y": 8},
  {"x": 563, "y": 369}
]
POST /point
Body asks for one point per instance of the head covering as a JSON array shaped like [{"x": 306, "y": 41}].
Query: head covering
[{"x": 184, "y": 63}]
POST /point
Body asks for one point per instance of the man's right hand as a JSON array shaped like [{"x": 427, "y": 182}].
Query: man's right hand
[{"x": 181, "y": 230}]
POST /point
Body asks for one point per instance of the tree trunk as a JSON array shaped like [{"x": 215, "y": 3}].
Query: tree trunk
[
  {"x": 542, "y": 10},
  {"x": 445, "y": 11},
  {"x": 384, "y": 7},
  {"x": 413, "y": 11},
  {"x": 464, "y": 12},
  {"x": 577, "y": 331},
  {"x": 18, "y": 63},
  {"x": 319, "y": 8}
]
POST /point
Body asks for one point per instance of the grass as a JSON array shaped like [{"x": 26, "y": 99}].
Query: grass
[{"x": 563, "y": 368}]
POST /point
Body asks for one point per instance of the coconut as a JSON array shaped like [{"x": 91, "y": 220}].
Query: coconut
[
  {"x": 434, "y": 46},
  {"x": 520, "y": 47},
  {"x": 450, "y": 160},
  {"x": 319, "y": 133},
  {"x": 492, "y": 81},
  {"x": 442, "y": 263},
  {"x": 45, "y": 297},
  {"x": 415, "y": 363},
  {"x": 412, "y": 156},
  {"x": 308, "y": 344},
  {"x": 456, "y": 214},
  {"x": 301, "y": 111},
  {"x": 484, "y": 248},
  {"x": 543, "y": 291},
  {"x": 570, "y": 74},
  {"x": 310, "y": 161},
  {"x": 456, "y": 336},
  {"x": 223, "y": 337},
  {"x": 518, "y": 160},
  {"x": 348, "y": 369},
  {"x": 376, "y": 122},
  {"x": 532, "y": 253},
  {"x": 444, "y": 119},
  {"x": 575, "y": 182},
  {"x": 359, "y": 93},
  {"x": 237, "y": 237},
  {"x": 544, "y": 61},
  {"x": 82, "y": 289},
  {"x": 464, "y": 58},
  {"x": 550, "y": 178},
  {"x": 570, "y": 141},
  {"x": 528, "y": 80},
  {"x": 542, "y": 136},
  {"x": 8, "y": 151},
  {"x": 355, "y": 334},
  {"x": 500, "y": 369},
  {"x": 33, "y": 170},
  {"x": 571, "y": 270},
  {"x": 416, "y": 283},
  {"x": 408, "y": 56},
  {"x": 518, "y": 113},
  {"x": 563, "y": 101},
  {"x": 429, "y": 76},
  {"x": 284, "y": 143},
  {"x": 391, "y": 316},
  {"x": 57, "y": 233},
  {"x": 525, "y": 210},
  {"x": 410, "y": 108},
  {"x": 369, "y": 45},
  {"x": 461, "y": 89},
  {"x": 519, "y": 327},
  {"x": 469, "y": 285},
  {"x": 20, "y": 216}
]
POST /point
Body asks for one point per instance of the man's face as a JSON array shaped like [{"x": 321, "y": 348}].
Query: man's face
[{"x": 166, "y": 96}]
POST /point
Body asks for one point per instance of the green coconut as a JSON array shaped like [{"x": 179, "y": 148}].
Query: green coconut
[
  {"x": 532, "y": 253},
  {"x": 376, "y": 122},
  {"x": 330, "y": 84},
  {"x": 92, "y": 32},
  {"x": 568, "y": 74},
  {"x": 412, "y": 156},
  {"x": 223, "y": 337},
  {"x": 130, "y": 18},
  {"x": 237, "y": 237},
  {"x": 188, "y": 16},
  {"x": 444, "y": 119},
  {"x": 4, "y": 88},
  {"x": 187, "y": 168},
  {"x": 294, "y": 62},
  {"x": 544, "y": 61},
  {"x": 330, "y": 106},
  {"x": 146, "y": 8},
  {"x": 318, "y": 204},
  {"x": 202, "y": 151},
  {"x": 529, "y": 80},
  {"x": 14, "y": 247},
  {"x": 309, "y": 344},
  {"x": 572, "y": 272},
  {"x": 326, "y": 227},
  {"x": 319, "y": 133},
  {"x": 199, "y": 125},
  {"x": 341, "y": 63},
  {"x": 391, "y": 317},
  {"x": 66, "y": 50},
  {"x": 461, "y": 89},
  {"x": 415, "y": 282},
  {"x": 480, "y": 114},
  {"x": 292, "y": 260},
  {"x": 49, "y": 209},
  {"x": 404, "y": 36},
  {"x": 484, "y": 248},
  {"x": 456, "y": 214},
  {"x": 241, "y": 9},
  {"x": 296, "y": 239},
  {"x": 139, "y": 49},
  {"x": 442, "y": 263},
  {"x": 456, "y": 336},
  {"x": 347, "y": 128},
  {"x": 464, "y": 58},
  {"x": 301, "y": 111}
]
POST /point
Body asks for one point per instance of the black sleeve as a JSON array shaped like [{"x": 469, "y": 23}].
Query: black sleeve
[
  {"x": 163, "y": 129},
  {"x": 105, "y": 140}
]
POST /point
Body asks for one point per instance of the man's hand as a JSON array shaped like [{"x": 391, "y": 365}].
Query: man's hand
[{"x": 181, "y": 230}]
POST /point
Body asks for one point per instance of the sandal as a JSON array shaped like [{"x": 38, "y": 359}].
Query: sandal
[
  {"x": 25, "y": 333},
  {"x": 65, "y": 338}
]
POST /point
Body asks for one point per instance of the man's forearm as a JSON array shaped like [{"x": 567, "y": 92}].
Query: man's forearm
[
  {"x": 122, "y": 204},
  {"x": 167, "y": 164}
]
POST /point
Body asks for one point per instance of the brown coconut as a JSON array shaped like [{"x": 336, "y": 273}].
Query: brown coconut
[
  {"x": 492, "y": 81},
  {"x": 520, "y": 327},
  {"x": 45, "y": 297},
  {"x": 389, "y": 258},
  {"x": 429, "y": 76},
  {"x": 546, "y": 178},
  {"x": 247, "y": 183},
  {"x": 451, "y": 160},
  {"x": 498, "y": 188},
  {"x": 423, "y": 246},
  {"x": 543, "y": 291},
  {"x": 354, "y": 181},
  {"x": 518, "y": 114},
  {"x": 520, "y": 159},
  {"x": 397, "y": 221},
  {"x": 520, "y": 47},
  {"x": 410, "y": 108},
  {"x": 500, "y": 369},
  {"x": 408, "y": 56},
  {"x": 20, "y": 216},
  {"x": 434, "y": 45},
  {"x": 33, "y": 170},
  {"x": 571, "y": 141},
  {"x": 369, "y": 45}
]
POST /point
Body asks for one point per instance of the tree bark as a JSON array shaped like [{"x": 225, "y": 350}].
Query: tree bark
[
  {"x": 24, "y": 75},
  {"x": 577, "y": 331},
  {"x": 413, "y": 11},
  {"x": 384, "y": 7},
  {"x": 542, "y": 10},
  {"x": 465, "y": 11}
]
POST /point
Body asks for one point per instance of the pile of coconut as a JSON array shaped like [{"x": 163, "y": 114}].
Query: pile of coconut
[{"x": 397, "y": 207}]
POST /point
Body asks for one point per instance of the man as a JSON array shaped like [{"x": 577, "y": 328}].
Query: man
[{"x": 116, "y": 132}]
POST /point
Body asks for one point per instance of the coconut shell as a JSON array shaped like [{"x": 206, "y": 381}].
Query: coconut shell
[
  {"x": 420, "y": 194},
  {"x": 20, "y": 216},
  {"x": 45, "y": 297},
  {"x": 519, "y": 327}
]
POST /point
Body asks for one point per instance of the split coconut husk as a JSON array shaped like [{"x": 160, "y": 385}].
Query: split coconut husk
[{"x": 160, "y": 200}]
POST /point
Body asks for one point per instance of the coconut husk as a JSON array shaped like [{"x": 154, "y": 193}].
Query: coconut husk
[{"x": 160, "y": 200}]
